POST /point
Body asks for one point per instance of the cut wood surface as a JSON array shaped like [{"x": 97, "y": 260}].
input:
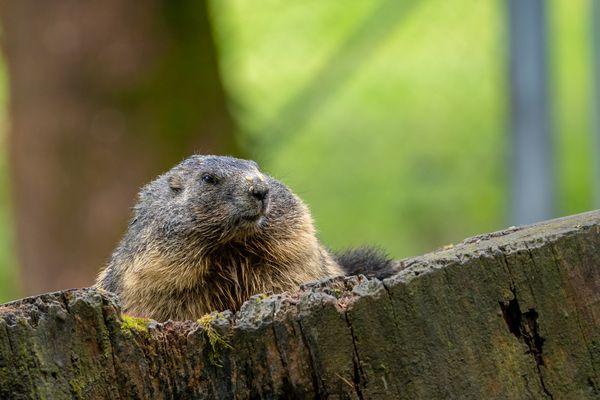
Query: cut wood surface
[{"x": 508, "y": 315}]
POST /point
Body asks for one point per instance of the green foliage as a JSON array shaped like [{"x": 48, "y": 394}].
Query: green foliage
[
  {"x": 572, "y": 68},
  {"x": 406, "y": 149},
  {"x": 8, "y": 270}
]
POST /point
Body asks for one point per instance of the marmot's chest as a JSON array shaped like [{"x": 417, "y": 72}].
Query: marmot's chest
[{"x": 230, "y": 282}]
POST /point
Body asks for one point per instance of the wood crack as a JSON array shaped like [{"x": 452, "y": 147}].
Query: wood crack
[
  {"x": 524, "y": 326},
  {"x": 311, "y": 356},
  {"x": 359, "y": 377}
]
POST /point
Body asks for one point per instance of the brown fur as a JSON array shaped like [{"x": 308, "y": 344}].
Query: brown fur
[{"x": 196, "y": 247}]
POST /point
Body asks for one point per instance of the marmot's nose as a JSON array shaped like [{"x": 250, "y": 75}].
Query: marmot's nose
[
  {"x": 258, "y": 187},
  {"x": 259, "y": 191}
]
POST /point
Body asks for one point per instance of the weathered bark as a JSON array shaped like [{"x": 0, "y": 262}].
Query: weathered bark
[
  {"x": 508, "y": 315},
  {"x": 104, "y": 96}
]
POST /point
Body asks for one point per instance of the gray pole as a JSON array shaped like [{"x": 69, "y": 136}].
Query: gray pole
[
  {"x": 532, "y": 159},
  {"x": 595, "y": 23}
]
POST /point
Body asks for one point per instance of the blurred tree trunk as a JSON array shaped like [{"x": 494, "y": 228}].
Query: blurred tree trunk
[{"x": 104, "y": 96}]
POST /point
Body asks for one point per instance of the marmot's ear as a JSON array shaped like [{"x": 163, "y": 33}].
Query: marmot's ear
[{"x": 175, "y": 183}]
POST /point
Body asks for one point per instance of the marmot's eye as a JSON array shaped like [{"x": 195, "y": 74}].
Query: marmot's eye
[{"x": 210, "y": 179}]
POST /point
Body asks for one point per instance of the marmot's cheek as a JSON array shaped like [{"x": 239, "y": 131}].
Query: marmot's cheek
[{"x": 248, "y": 208}]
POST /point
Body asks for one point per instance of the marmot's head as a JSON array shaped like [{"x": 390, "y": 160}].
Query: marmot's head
[{"x": 219, "y": 199}]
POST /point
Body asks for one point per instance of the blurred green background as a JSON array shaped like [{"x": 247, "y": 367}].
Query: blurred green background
[
  {"x": 8, "y": 263},
  {"x": 404, "y": 145},
  {"x": 388, "y": 118}
]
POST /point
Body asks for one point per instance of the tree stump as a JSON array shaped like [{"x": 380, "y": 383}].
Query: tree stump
[{"x": 508, "y": 315}]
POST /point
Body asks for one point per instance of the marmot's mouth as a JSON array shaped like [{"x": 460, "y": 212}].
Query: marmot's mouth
[
  {"x": 252, "y": 214},
  {"x": 250, "y": 218}
]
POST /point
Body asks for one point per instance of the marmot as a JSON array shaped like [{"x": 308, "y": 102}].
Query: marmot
[{"x": 213, "y": 231}]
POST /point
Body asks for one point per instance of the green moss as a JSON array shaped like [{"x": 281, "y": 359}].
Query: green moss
[
  {"x": 134, "y": 324},
  {"x": 217, "y": 342},
  {"x": 77, "y": 387},
  {"x": 221, "y": 316},
  {"x": 261, "y": 297}
]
